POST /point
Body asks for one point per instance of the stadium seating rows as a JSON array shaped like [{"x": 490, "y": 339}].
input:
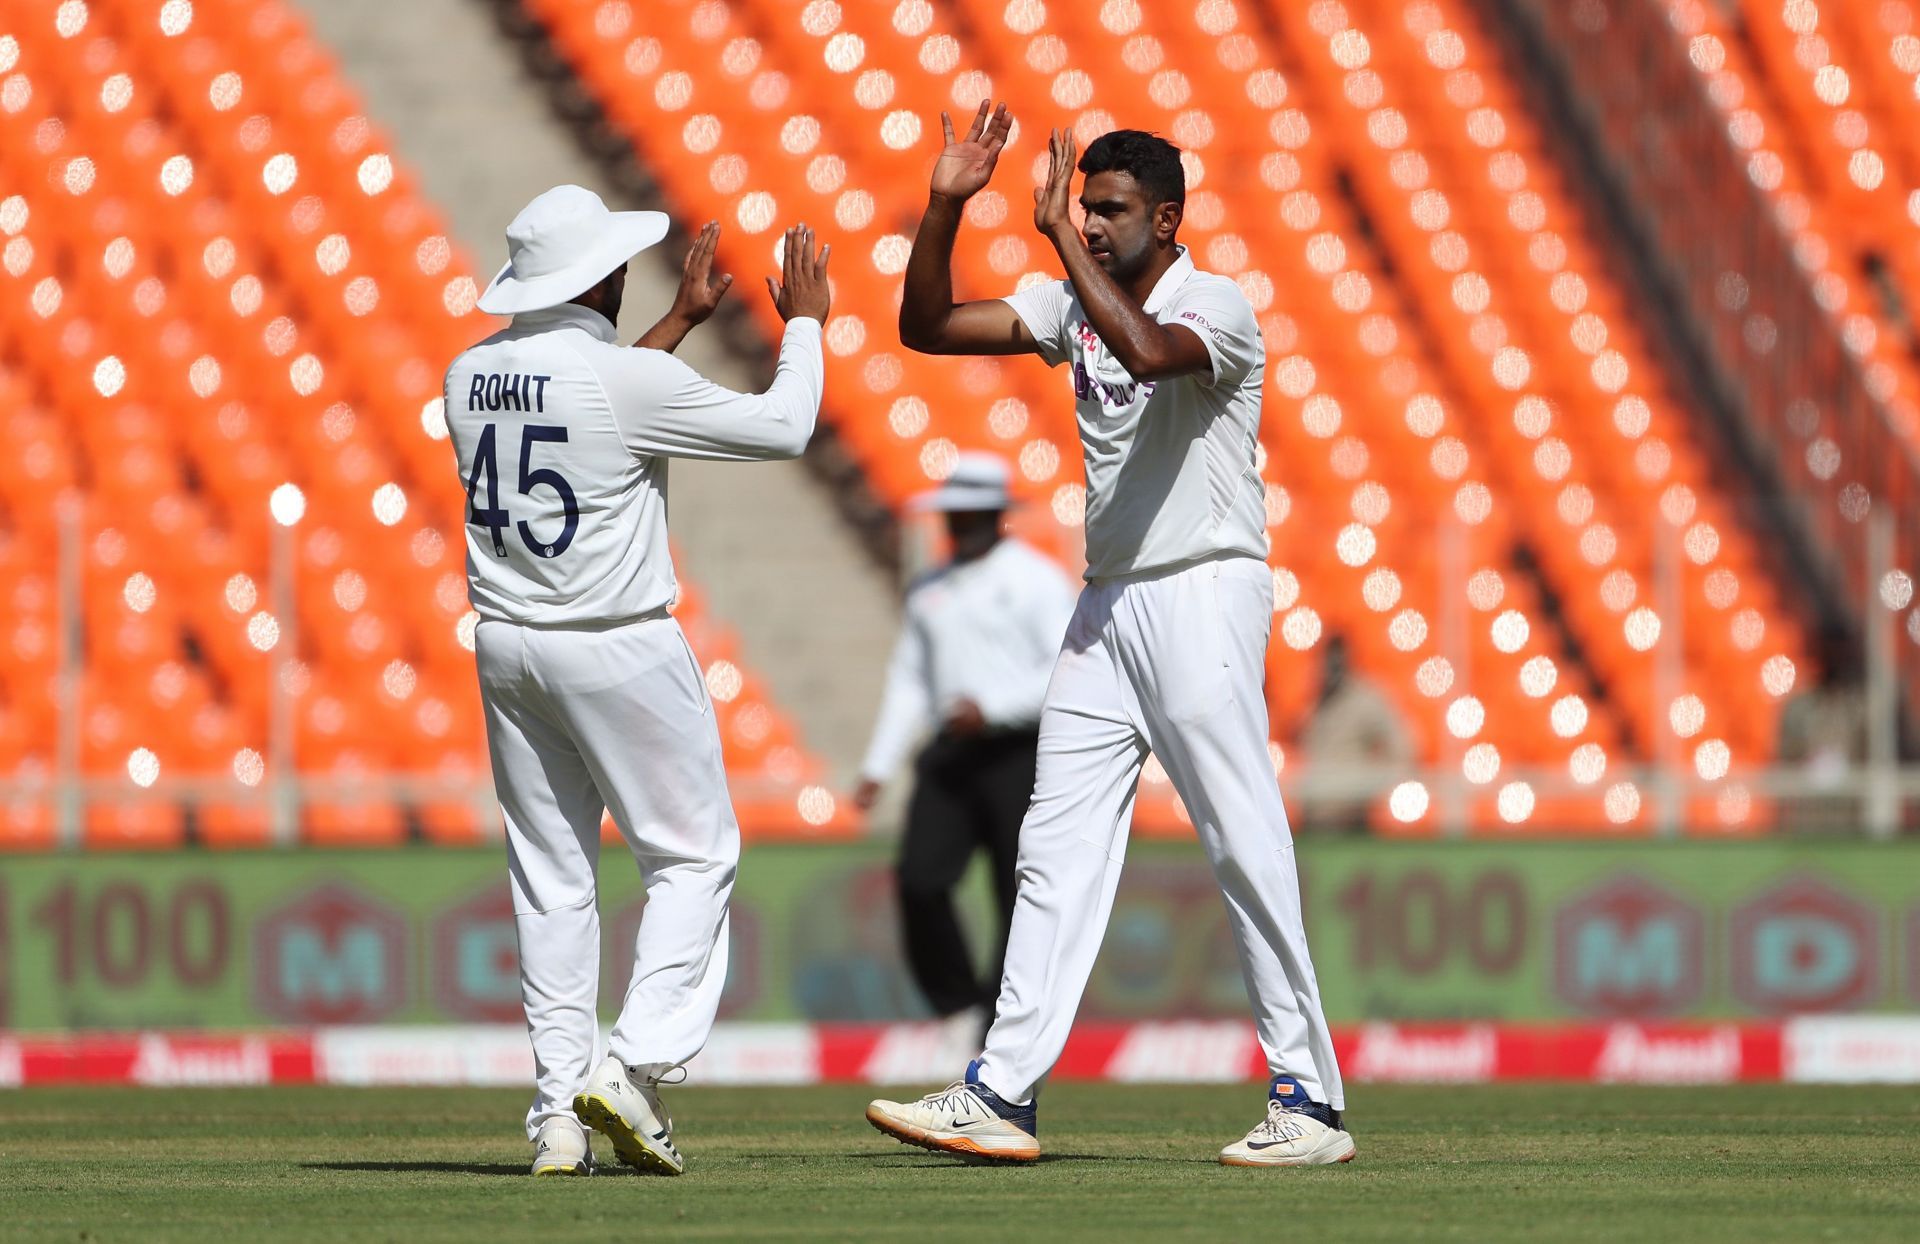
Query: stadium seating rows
[
  {"x": 1822, "y": 98},
  {"x": 1442, "y": 338},
  {"x": 1820, "y": 102},
  {"x": 221, "y": 296}
]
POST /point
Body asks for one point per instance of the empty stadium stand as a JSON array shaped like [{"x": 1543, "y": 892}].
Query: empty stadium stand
[{"x": 221, "y": 297}]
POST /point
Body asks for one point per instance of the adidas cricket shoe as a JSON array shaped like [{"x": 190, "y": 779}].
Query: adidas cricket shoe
[
  {"x": 965, "y": 1118},
  {"x": 1296, "y": 1132},
  {"x": 561, "y": 1148},
  {"x": 628, "y": 1112}
]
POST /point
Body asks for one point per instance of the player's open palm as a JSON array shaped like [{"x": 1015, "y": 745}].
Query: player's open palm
[
  {"x": 1053, "y": 200},
  {"x": 802, "y": 289},
  {"x": 700, "y": 291},
  {"x": 966, "y": 165}
]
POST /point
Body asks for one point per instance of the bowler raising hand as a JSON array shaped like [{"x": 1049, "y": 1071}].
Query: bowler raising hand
[{"x": 1167, "y": 648}]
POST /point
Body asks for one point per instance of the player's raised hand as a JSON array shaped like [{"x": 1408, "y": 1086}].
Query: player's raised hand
[
  {"x": 700, "y": 291},
  {"x": 1053, "y": 199},
  {"x": 802, "y": 289},
  {"x": 965, "y": 165}
]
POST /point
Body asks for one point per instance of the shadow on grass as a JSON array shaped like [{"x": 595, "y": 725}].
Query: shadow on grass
[
  {"x": 935, "y": 1161},
  {"x": 445, "y": 1168}
]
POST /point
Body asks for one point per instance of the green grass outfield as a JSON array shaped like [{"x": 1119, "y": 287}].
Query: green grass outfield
[{"x": 1622, "y": 1165}]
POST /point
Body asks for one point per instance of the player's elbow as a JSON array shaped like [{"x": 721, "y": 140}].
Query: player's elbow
[
  {"x": 923, "y": 334},
  {"x": 791, "y": 441},
  {"x": 781, "y": 446},
  {"x": 1155, "y": 359},
  {"x": 917, "y": 338},
  {"x": 1144, "y": 363}
]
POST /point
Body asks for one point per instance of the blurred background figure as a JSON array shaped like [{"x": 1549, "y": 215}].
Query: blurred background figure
[
  {"x": 976, "y": 649},
  {"x": 1823, "y": 733},
  {"x": 1356, "y": 742}
]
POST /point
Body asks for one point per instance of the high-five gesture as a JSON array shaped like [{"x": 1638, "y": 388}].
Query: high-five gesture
[
  {"x": 930, "y": 321},
  {"x": 965, "y": 166},
  {"x": 700, "y": 291},
  {"x": 699, "y": 294},
  {"x": 1053, "y": 201},
  {"x": 802, "y": 289}
]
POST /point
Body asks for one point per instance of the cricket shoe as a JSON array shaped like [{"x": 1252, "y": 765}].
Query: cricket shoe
[
  {"x": 965, "y": 1118},
  {"x": 1296, "y": 1132},
  {"x": 561, "y": 1148},
  {"x": 627, "y": 1111}
]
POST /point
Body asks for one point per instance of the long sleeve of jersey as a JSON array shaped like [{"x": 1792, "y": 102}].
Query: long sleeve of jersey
[
  {"x": 906, "y": 708},
  {"x": 666, "y": 409}
]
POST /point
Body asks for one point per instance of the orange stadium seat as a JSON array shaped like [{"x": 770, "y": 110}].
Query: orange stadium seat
[
  {"x": 1822, "y": 99},
  {"x": 216, "y": 281}
]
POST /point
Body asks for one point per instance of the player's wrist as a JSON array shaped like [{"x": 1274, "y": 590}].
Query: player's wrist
[{"x": 1064, "y": 236}]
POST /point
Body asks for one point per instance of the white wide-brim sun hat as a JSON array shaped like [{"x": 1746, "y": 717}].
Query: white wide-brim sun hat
[
  {"x": 563, "y": 244},
  {"x": 978, "y": 481}
]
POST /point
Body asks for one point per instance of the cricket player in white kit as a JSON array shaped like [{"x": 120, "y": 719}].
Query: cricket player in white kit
[
  {"x": 1167, "y": 648},
  {"x": 593, "y": 700}
]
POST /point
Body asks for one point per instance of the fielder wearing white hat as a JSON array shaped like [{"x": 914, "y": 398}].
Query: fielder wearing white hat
[
  {"x": 592, "y": 699},
  {"x": 563, "y": 244},
  {"x": 978, "y": 481}
]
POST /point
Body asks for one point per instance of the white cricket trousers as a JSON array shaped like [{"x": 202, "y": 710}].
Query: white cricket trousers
[
  {"x": 1171, "y": 662},
  {"x": 578, "y": 721}
]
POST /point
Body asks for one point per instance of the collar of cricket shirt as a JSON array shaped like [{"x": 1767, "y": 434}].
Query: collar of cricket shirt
[
  {"x": 568, "y": 315},
  {"x": 1173, "y": 278}
]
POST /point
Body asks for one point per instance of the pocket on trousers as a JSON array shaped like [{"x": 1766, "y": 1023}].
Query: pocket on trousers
[
  {"x": 1195, "y": 674},
  {"x": 698, "y": 675}
]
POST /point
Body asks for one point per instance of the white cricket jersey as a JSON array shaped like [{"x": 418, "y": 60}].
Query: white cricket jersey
[
  {"x": 1170, "y": 463},
  {"x": 562, "y": 438},
  {"x": 987, "y": 630}
]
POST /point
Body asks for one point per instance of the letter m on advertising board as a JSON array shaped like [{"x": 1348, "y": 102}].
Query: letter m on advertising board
[
  {"x": 333, "y": 955},
  {"x": 1628, "y": 948}
]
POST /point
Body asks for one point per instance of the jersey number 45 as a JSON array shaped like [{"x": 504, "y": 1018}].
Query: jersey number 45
[{"x": 494, "y": 517}]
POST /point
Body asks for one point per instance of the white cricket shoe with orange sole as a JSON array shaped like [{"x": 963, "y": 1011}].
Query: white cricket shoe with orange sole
[{"x": 966, "y": 1118}]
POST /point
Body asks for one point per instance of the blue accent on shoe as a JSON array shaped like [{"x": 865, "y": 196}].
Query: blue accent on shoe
[
  {"x": 1290, "y": 1091},
  {"x": 1026, "y": 1118}
]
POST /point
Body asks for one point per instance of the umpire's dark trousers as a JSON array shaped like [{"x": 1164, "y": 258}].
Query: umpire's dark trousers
[{"x": 968, "y": 793}]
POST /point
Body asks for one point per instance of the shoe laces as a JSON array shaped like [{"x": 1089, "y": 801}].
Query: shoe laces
[
  {"x": 640, "y": 1076},
  {"x": 1283, "y": 1122},
  {"x": 958, "y": 1096}
]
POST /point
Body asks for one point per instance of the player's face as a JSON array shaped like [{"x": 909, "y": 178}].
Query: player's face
[
  {"x": 972, "y": 532},
  {"x": 1121, "y": 226}
]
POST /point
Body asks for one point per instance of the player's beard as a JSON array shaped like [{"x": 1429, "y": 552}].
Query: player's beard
[{"x": 1125, "y": 264}]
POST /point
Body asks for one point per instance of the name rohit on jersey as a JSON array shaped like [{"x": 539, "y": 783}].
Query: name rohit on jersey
[{"x": 507, "y": 391}]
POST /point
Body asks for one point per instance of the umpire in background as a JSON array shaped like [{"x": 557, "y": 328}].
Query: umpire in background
[{"x": 976, "y": 650}]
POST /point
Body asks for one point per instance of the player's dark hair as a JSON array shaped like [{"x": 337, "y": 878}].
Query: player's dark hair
[{"x": 1149, "y": 159}]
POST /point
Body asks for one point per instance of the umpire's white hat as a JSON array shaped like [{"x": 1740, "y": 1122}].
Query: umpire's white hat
[
  {"x": 561, "y": 245},
  {"x": 978, "y": 482}
]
